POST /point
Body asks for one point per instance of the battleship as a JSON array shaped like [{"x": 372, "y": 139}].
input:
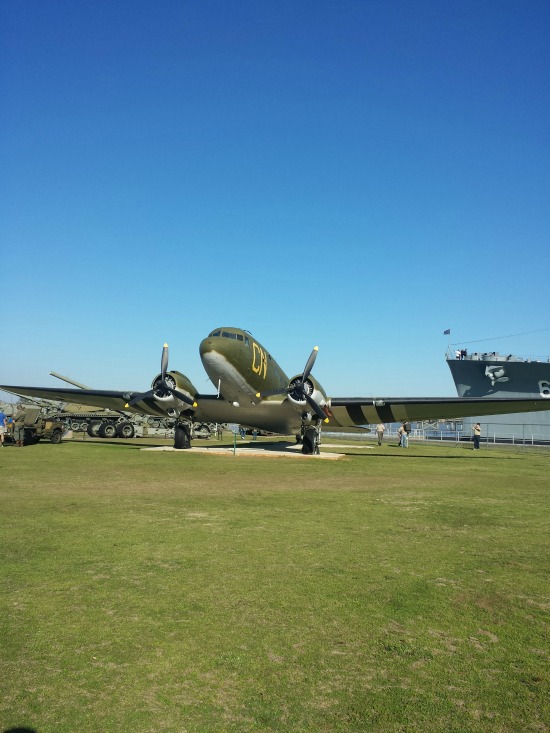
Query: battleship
[{"x": 490, "y": 374}]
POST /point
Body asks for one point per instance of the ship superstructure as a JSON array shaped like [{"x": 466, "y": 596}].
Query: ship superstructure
[{"x": 492, "y": 374}]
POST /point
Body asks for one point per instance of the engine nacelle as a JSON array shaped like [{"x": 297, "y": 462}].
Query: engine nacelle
[
  {"x": 313, "y": 389},
  {"x": 175, "y": 380}
]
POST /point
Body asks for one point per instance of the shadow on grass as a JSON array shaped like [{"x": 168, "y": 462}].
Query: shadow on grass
[
  {"x": 466, "y": 454},
  {"x": 119, "y": 442},
  {"x": 221, "y": 444},
  {"x": 284, "y": 447},
  {"x": 414, "y": 456}
]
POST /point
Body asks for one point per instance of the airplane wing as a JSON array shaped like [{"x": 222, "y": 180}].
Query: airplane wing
[
  {"x": 281, "y": 416},
  {"x": 110, "y": 399},
  {"x": 371, "y": 410}
]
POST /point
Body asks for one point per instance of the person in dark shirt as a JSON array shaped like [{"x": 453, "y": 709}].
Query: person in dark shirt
[{"x": 19, "y": 426}]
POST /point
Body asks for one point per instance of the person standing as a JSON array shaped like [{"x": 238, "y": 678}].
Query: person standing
[
  {"x": 476, "y": 435},
  {"x": 400, "y": 434},
  {"x": 380, "y": 432},
  {"x": 19, "y": 426},
  {"x": 3, "y": 425}
]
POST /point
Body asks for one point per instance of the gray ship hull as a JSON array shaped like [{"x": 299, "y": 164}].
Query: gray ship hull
[{"x": 495, "y": 375}]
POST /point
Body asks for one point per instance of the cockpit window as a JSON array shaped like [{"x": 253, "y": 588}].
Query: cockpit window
[{"x": 229, "y": 335}]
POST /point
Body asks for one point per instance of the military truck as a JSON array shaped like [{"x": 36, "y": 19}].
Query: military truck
[{"x": 41, "y": 427}]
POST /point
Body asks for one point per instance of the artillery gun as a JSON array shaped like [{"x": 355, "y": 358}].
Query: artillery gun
[{"x": 97, "y": 422}]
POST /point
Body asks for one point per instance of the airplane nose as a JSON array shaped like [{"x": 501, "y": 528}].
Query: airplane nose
[{"x": 206, "y": 345}]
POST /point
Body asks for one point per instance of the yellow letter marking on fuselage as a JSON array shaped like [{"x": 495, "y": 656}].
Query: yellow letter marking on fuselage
[{"x": 259, "y": 360}]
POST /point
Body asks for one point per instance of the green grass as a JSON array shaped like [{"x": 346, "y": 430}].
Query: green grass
[{"x": 389, "y": 591}]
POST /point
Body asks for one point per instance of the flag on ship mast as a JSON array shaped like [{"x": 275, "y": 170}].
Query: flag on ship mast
[{"x": 447, "y": 332}]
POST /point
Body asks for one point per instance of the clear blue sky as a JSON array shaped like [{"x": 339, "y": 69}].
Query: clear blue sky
[{"x": 357, "y": 175}]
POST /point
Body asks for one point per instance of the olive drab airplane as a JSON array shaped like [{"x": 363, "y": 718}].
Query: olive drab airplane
[{"x": 253, "y": 391}]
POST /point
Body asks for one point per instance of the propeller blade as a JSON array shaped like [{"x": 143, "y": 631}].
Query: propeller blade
[
  {"x": 164, "y": 362},
  {"x": 298, "y": 384},
  {"x": 310, "y": 363},
  {"x": 182, "y": 397},
  {"x": 140, "y": 396},
  {"x": 162, "y": 388},
  {"x": 317, "y": 409}
]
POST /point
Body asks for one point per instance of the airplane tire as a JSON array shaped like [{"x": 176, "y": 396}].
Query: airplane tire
[
  {"x": 125, "y": 430},
  {"x": 93, "y": 428},
  {"x": 182, "y": 437},
  {"x": 309, "y": 445},
  {"x": 107, "y": 430}
]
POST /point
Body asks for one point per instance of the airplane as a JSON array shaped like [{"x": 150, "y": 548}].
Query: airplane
[{"x": 253, "y": 391}]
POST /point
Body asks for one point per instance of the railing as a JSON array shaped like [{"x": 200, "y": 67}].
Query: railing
[
  {"x": 488, "y": 437},
  {"x": 452, "y": 355}
]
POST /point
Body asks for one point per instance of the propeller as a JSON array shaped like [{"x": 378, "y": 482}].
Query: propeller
[
  {"x": 298, "y": 388},
  {"x": 163, "y": 388}
]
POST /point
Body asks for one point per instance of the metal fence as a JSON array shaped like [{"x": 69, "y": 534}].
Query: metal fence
[{"x": 491, "y": 433}]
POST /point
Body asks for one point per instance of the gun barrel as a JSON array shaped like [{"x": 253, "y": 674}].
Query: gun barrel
[{"x": 69, "y": 380}]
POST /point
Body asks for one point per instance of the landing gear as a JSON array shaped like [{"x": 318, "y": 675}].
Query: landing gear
[
  {"x": 182, "y": 436},
  {"x": 311, "y": 439}
]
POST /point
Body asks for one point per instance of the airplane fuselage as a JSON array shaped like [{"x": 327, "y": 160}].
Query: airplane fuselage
[
  {"x": 239, "y": 367},
  {"x": 246, "y": 376}
]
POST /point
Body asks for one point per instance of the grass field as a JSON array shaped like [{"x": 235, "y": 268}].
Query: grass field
[{"x": 390, "y": 591}]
